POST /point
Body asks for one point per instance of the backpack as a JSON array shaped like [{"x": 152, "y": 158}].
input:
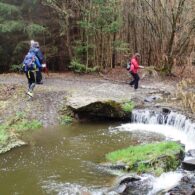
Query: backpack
[
  {"x": 29, "y": 62},
  {"x": 128, "y": 66},
  {"x": 38, "y": 54}
]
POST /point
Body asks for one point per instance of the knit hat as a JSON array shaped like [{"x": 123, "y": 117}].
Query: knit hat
[
  {"x": 32, "y": 43},
  {"x": 137, "y": 55}
]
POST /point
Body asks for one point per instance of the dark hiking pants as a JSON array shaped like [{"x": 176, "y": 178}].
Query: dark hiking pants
[
  {"x": 38, "y": 76},
  {"x": 31, "y": 80},
  {"x": 135, "y": 80}
]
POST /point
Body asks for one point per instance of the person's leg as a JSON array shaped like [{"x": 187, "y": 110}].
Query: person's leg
[
  {"x": 31, "y": 79},
  {"x": 136, "y": 81},
  {"x": 39, "y": 77},
  {"x": 133, "y": 81}
]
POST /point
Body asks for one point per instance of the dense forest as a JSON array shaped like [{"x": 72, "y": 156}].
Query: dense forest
[{"x": 90, "y": 35}]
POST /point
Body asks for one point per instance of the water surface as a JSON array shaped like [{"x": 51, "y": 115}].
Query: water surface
[{"x": 65, "y": 160}]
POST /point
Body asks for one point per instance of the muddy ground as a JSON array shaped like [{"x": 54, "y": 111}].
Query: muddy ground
[{"x": 51, "y": 97}]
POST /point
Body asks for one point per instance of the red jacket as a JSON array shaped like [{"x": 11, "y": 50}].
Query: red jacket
[{"x": 134, "y": 65}]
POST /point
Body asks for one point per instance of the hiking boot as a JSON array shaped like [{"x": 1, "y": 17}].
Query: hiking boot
[{"x": 30, "y": 93}]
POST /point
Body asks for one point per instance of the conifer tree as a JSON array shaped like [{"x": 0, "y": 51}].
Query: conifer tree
[{"x": 16, "y": 29}]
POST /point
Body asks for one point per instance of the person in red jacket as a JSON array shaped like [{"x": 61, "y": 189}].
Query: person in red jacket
[{"x": 134, "y": 69}]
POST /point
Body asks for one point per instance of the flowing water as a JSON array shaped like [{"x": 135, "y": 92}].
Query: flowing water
[
  {"x": 173, "y": 126},
  {"x": 66, "y": 160}
]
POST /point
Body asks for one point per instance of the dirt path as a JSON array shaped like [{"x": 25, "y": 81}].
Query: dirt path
[{"x": 50, "y": 97}]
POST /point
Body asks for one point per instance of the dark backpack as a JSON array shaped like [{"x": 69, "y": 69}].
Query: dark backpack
[{"x": 128, "y": 66}]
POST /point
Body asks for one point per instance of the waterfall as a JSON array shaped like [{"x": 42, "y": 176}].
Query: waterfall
[
  {"x": 165, "y": 182},
  {"x": 172, "y": 125}
]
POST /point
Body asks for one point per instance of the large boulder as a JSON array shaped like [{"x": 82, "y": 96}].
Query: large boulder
[
  {"x": 92, "y": 108},
  {"x": 189, "y": 165},
  {"x": 153, "y": 158}
]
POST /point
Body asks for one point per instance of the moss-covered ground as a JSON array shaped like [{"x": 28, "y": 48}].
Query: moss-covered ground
[
  {"x": 15, "y": 126},
  {"x": 155, "y": 158}
]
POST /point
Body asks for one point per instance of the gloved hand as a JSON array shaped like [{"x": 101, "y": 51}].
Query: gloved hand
[{"x": 44, "y": 65}]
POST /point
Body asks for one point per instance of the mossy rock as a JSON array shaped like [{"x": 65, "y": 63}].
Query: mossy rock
[
  {"x": 14, "y": 128},
  {"x": 153, "y": 158},
  {"x": 11, "y": 143},
  {"x": 103, "y": 110}
]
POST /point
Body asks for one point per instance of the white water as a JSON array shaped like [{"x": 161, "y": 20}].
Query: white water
[
  {"x": 165, "y": 182},
  {"x": 174, "y": 126}
]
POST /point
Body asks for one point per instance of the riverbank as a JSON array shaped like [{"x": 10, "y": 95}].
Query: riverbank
[{"x": 50, "y": 97}]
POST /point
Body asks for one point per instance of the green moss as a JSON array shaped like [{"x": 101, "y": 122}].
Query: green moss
[
  {"x": 4, "y": 135},
  {"x": 25, "y": 125},
  {"x": 20, "y": 123},
  {"x": 65, "y": 120},
  {"x": 17, "y": 125},
  {"x": 128, "y": 106},
  {"x": 155, "y": 157}
]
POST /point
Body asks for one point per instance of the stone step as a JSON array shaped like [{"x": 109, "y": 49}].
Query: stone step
[{"x": 189, "y": 165}]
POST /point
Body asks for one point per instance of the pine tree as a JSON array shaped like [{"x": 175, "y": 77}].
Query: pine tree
[{"x": 16, "y": 29}]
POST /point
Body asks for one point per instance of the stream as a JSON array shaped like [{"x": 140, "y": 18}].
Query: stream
[{"x": 66, "y": 160}]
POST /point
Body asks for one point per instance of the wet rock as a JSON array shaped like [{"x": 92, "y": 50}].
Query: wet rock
[
  {"x": 185, "y": 187},
  {"x": 128, "y": 178},
  {"x": 99, "y": 110},
  {"x": 13, "y": 143},
  {"x": 189, "y": 165},
  {"x": 191, "y": 153},
  {"x": 166, "y": 110},
  {"x": 152, "y": 162},
  {"x": 123, "y": 183},
  {"x": 152, "y": 98},
  {"x": 121, "y": 188},
  {"x": 117, "y": 166}
]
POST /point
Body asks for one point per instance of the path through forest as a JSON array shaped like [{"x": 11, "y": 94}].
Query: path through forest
[{"x": 58, "y": 88}]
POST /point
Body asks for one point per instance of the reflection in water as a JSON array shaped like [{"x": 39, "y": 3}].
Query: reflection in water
[{"x": 64, "y": 160}]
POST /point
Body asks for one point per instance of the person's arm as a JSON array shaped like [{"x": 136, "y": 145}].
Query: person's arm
[
  {"x": 40, "y": 56},
  {"x": 141, "y": 66},
  {"x": 38, "y": 63}
]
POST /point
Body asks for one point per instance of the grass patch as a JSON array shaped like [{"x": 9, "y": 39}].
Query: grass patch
[
  {"x": 155, "y": 157},
  {"x": 66, "y": 120},
  {"x": 17, "y": 125},
  {"x": 4, "y": 135},
  {"x": 20, "y": 123},
  {"x": 128, "y": 106},
  {"x": 25, "y": 125}
]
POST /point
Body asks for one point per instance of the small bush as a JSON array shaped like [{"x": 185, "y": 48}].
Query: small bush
[
  {"x": 66, "y": 120},
  {"x": 16, "y": 68},
  {"x": 78, "y": 67}
]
